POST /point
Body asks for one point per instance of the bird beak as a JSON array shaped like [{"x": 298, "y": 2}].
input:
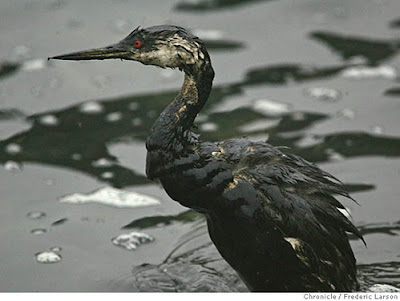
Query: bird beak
[{"x": 116, "y": 51}]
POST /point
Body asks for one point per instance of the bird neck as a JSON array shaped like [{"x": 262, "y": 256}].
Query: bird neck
[{"x": 172, "y": 128}]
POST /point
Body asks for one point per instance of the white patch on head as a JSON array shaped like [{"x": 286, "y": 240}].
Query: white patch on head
[{"x": 173, "y": 53}]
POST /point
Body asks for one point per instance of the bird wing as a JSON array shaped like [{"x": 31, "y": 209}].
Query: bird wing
[{"x": 298, "y": 197}]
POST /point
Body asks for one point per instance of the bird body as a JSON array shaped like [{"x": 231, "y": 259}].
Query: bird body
[{"x": 271, "y": 215}]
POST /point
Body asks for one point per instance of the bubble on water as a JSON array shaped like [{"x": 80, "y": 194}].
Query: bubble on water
[
  {"x": 36, "y": 214},
  {"x": 323, "y": 93},
  {"x": 346, "y": 113},
  {"x": 114, "y": 116},
  {"x": 137, "y": 121},
  {"x": 91, "y": 107},
  {"x": 209, "y": 34},
  {"x": 55, "y": 249},
  {"x": 209, "y": 127},
  {"x": 13, "y": 166},
  {"x": 367, "y": 72},
  {"x": 35, "y": 64},
  {"x": 112, "y": 197},
  {"x": 377, "y": 130},
  {"x": 76, "y": 157},
  {"x": 38, "y": 231},
  {"x": 102, "y": 162},
  {"x": 48, "y": 257},
  {"x": 13, "y": 148},
  {"x": 270, "y": 107},
  {"x": 133, "y": 106},
  {"x": 107, "y": 175},
  {"x": 131, "y": 240},
  {"x": 49, "y": 120}
]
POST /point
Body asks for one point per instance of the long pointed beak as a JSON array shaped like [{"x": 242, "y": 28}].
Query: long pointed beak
[{"x": 116, "y": 51}]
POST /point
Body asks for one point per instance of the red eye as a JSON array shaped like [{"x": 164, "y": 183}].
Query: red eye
[{"x": 137, "y": 44}]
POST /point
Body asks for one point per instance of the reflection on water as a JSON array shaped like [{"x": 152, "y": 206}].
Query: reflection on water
[
  {"x": 78, "y": 137},
  {"x": 10, "y": 114},
  {"x": 348, "y": 47},
  {"x": 195, "y": 264},
  {"x": 221, "y": 45},
  {"x": 284, "y": 73},
  {"x": 382, "y": 228},
  {"x": 393, "y": 92},
  {"x": 385, "y": 272},
  {"x": 211, "y": 5},
  {"x": 187, "y": 216},
  {"x": 349, "y": 145},
  {"x": 395, "y": 23},
  {"x": 7, "y": 69}
]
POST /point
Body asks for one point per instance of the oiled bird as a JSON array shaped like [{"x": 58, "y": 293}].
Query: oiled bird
[{"x": 272, "y": 215}]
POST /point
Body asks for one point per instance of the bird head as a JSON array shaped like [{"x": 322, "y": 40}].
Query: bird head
[{"x": 163, "y": 46}]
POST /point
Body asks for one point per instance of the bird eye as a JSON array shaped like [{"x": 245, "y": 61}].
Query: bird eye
[{"x": 137, "y": 44}]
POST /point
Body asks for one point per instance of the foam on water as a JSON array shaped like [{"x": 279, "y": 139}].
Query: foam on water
[
  {"x": 13, "y": 148},
  {"x": 12, "y": 166},
  {"x": 48, "y": 257},
  {"x": 34, "y": 64},
  {"x": 38, "y": 231},
  {"x": 49, "y": 120},
  {"x": 364, "y": 72},
  {"x": 209, "y": 127},
  {"x": 102, "y": 162},
  {"x": 114, "y": 116},
  {"x": 270, "y": 107},
  {"x": 91, "y": 107},
  {"x": 131, "y": 241},
  {"x": 383, "y": 288},
  {"x": 36, "y": 215},
  {"x": 111, "y": 197},
  {"x": 324, "y": 93}
]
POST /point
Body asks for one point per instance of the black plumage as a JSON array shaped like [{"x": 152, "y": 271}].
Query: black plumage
[{"x": 272, "y": 215}]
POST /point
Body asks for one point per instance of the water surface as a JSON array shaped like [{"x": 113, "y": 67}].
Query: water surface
[{"x": 316, "y": 76}]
